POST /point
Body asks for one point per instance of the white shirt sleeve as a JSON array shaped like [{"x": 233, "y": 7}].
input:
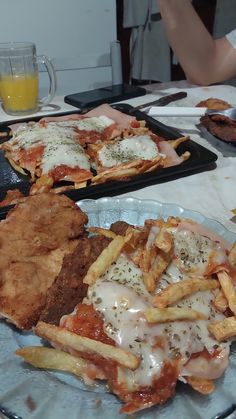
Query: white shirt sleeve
[{"x": 231, "y": 36}]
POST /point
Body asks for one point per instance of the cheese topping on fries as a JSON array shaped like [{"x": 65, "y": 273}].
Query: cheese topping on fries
[
  {"x": 128, "y": 149},
  {"x": 152, "y": 313},
  {"x": 122, "y": 303},
  {"x": 59, "y": 146},
  {"x": 114, "y": 145},
  {"x": 122, "y": 309},
  {"x": 195, "y": 253},
  {"x": 95, "y": 123}
]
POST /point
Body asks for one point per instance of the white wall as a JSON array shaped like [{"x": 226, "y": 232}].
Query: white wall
[{"x": 76, "y": 34}]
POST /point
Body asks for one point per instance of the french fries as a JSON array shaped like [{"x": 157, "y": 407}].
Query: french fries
[
  {"x": 42, "y": 184},
  {"x": 179, "y": 290},
  {"x": 164, "y": 240},
  {"x": 126, "y": 170},
  {"x": 3, "y": 134},
  {"x": 135, "y": 239},
  {"x": 228, "y": 290},
  {"x": 220, "y": 302},
  {"x": 15, "y": 166},
  {"x": 82, "y": 344},
  {"x": 104, "y": 260},
  {"x": 232, "y": 255},
  {"x": 102, "y": 232},
  {"x": 151, "y": 248},
  {"x": 117, "y": 175},
  {"x": 149, "y": 281},
  {"x": 185, "y": 156},
  {"x": 178, "y": 141},
  {"x": 42, "y": 357},
  {"x": 224, "y": 329},
  {"x": 170, "y": 314},
  {"x": 202, "y": 385},
  {"x": 159, "y": 265}
]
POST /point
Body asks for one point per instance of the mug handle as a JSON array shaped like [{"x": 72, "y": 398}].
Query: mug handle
[{"x": 42, "y": 59}]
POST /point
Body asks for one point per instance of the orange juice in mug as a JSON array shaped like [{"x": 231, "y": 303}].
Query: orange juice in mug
[
  {"x": 20, "y": 92},
  {"x": 19, "y": 81}
]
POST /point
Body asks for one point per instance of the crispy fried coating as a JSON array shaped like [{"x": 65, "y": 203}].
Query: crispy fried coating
[
  {"x": 33, "y": 241},
  {"x": 214, "y": 103},
  {"x": 68, "y": 290}
]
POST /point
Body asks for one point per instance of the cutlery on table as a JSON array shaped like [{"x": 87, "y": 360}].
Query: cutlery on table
[
  {"x": 160, "y": 102},
  {"x": 8, "y": 413},
  {"x": 188, "y": 111}
]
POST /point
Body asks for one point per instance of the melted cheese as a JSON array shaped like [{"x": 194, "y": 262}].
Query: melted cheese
[
  {"x": 195, "y": 253},
  {"x": 124, "y": 323},
  {"x": 127, "y": 150},
  {"x": 125, "y": 272},
  {"x": 95, "y": 123},
  {"x": 121, "y": 299},
  {"x": 60, "y": 146}
]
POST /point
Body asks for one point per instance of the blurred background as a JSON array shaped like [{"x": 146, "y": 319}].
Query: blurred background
[{"x": 77, "y": 35}]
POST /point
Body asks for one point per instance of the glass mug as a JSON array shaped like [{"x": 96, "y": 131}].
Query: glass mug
[{"x": 19, "y": 78}]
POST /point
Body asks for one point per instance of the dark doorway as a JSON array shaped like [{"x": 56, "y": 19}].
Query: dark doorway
[{"x": 206, "y": 11}]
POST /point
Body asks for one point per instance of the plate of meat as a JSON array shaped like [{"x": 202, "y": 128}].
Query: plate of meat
[
  {"x": 219, "y": 126},
  {"x": 126, "y": 307}
]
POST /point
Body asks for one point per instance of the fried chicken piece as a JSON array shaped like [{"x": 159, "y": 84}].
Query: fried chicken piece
[
  {"x": 213, "y": 103},
  {"x": 218, "y": 125},
  {"x": 33, "y": 240},
  {"x": 68, "y": 289}
]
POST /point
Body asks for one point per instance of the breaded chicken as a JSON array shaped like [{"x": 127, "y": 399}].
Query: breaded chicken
[
  {"x": 68, "y": 289},
  {"x": 213, "y": 103},
  {"x": 33, "y": 240},
  {"x": 218, "y": 125}
]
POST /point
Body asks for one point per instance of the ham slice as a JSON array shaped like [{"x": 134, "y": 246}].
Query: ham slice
[
  {"x": 203, "y": 231},
  {"x": 14, "y": 127},
  {"x": 172, "y": 158},
  {"x": 69, "y": 117},
  {"x": 123, "y": 120},
  {"x": 210, "y": 369}
]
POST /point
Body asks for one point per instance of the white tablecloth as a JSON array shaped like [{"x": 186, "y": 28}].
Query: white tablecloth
[{"x": 213, "y": 193}]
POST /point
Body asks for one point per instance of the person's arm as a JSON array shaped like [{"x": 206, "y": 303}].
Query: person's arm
[{"x": 203, "y": 59}]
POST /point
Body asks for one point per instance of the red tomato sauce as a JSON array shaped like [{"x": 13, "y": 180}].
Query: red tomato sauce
[
  {"x": 205, "y": 354},
  {"x": 29, "y": 158},
  {"x": 70, "y": 173},
  {"x": 89, "y": 323},
  {"x": 162, "y": 388}
]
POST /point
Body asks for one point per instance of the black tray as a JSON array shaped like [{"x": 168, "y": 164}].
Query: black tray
[{"x": 201, "y": 159}]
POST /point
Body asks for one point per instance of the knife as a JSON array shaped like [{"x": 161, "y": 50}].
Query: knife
[
  {"x": 189, "y": 111},
  {"x": 161, "y": 101}
]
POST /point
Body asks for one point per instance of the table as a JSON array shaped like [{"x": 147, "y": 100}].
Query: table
[{"x": 213, "y": 193}]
